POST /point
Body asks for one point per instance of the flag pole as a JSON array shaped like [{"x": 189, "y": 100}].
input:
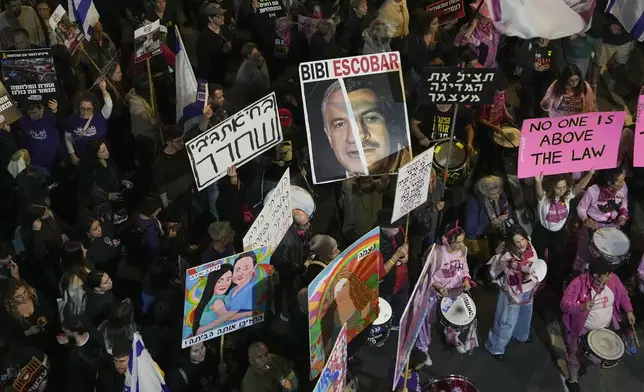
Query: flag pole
[
  {"x": 107, "y": 79},
  {"x": 151, "y": 86}
]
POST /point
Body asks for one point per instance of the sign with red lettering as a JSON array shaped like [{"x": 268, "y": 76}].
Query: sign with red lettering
[
  {"x": 638, "y": 148},
  {"x": 447, "y": 10},
  {"x": 570, "y": 144},
  {"x": 356, "y": 117}
]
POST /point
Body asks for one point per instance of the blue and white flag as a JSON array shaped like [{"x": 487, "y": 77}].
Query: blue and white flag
[
  {"x": 84, "y": 14},
  {"x": 143, "y": 374},
  {"x": 630, "y": 14},
  {"x": 186, "y": 86}
]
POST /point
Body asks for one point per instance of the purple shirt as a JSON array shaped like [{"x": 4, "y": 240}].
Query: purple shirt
[
  {"x": 41, "y": 139},
  {"x": 97, "y": 129}
]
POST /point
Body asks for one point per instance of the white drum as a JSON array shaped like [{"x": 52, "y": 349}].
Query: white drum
[
  {"x": 379, "y": 330},
  {"x": 610, "y": 244},
  {"x": 540, "y": 269},
  {"x": 459, "y": 311},
  {"x": 603, "y": 347}
]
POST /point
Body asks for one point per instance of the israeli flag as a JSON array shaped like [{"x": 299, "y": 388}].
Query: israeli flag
[
  {"x": 84, "y": 14},
  {"x": 186, "y": 85},
  {"x": 630, "y": 14},
  {"x": 143, "y": 374}
]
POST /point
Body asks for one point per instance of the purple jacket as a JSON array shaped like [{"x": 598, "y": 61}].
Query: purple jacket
[{"x": 579, "y": 291}]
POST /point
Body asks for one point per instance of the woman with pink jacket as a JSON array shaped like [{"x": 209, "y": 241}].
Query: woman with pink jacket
[{"x": 591, "y": 301}]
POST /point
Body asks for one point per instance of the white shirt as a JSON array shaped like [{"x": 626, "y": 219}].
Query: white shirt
[
  {"x": 553, "y": 216},
  {"x": 602, "y": 311}
]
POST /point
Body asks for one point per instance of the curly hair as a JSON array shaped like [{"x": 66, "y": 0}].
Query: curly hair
[
  {"x": 358, "y": 290},
  {"x": 550, "y": 183},
  {"x": 10, "y": 305}
]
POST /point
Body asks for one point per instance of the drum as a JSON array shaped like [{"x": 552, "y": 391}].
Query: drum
[
  {"x": 507, "y": 144},
  {"x": 457, "y": 164},
  {"x": 611, "y": 244},
  {"x": 379, "y": 330},
  {"x": 603, "y": 348},
  {"x": 458, "y": 312},
  {"x": 540, "y": 268},
  {"x": 450, "y": 384},
  {"x": 300, "y": 199}
]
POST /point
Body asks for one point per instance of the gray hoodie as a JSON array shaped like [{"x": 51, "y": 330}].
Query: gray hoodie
[{"x": 374, "y": 45}]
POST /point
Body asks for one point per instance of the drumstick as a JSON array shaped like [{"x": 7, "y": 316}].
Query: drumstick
[
  {"x": 601, "y": 287},
  {"x": 637, "y": 341}
]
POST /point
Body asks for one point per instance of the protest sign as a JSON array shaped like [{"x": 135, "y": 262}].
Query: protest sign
[
  {"x": 413, "y": 184},
  {"x": 29, "y": 75},
  {"x": 345, "y": 291},
  {"x": 356, "y": 117},
  {"x": 458, "y": 85},
  {"x": 235, "y": 141},
  {"x": 307, "y": 26},
  {"x": 66, "y": 30},
  {"x": 270, "y": 8},
  {"x": 9, "y": 113},
  {"x": 414, "y": 316},
  {"x": 147, "y": 41},
  {"x": 569, "y": 144},
  {"x": 638, "y": 148},
  {"x": 447, "y": 10},
  {"x": 275, "y": 219},
  {"x": 225, "y": 295},
  {"x": 334, "y": 375},
  {"x": 32, "y": 376}
]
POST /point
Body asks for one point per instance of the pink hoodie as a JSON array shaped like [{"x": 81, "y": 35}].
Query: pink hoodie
[{"x": 579, "y": 291}]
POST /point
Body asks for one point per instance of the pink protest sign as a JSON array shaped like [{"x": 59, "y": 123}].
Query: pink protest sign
[
  {"x": 638, "y": 148},
  {"x": 569, "y": 144}
]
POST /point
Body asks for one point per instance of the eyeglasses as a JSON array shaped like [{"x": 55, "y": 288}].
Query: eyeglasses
[{"x": 86, "y": 110}]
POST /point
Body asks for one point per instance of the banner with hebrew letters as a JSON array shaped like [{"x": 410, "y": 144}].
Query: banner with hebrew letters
[
  {"x": 458, "y": 85},
  {"x": 413, "y": 184},
  {"x": 235, "y": 141},
  {"x": 29, "y": 75}
]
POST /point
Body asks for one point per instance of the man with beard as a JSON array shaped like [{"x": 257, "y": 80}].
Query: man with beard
[{"x": 215, "y": 112}]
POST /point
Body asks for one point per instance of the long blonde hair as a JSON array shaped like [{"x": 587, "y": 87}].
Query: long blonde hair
[{"x": 10, "y": 305}]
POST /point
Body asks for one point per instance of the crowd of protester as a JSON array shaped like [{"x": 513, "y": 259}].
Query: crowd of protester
[{"x": 100, "y": 216}]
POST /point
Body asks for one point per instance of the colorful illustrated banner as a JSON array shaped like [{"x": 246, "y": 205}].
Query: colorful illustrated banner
[
  {"x": 447, "y": 10},
  {"x": 413, "y": 317},
  {"x": 225, "y": 295},
  {"x": 413, "y": 184},
  {"x": 307, "y": 26},
  {"x": 235, "y": 141},
  {"x": 275, "y": 219},
  {"x": 66, "y": 30},
  {"x": 147, "y": 41},
  {"x": 570, "y": 144},
  {"x": 334, "y": 375},
  {"x": 346, "y": 291},
  {"x": 638, "y": 148},
  {"x": 29, "y": 75},
  {"x": 346, "y": 99}
]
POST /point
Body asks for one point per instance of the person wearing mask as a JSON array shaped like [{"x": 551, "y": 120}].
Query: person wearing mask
[
  {"x": 253, "y": 73},
  {"x": 268, "y": 372},
  {"x": 103, "y": 250},
  {"x": 222, "y": 245},
  {"x": 540, "y": 62},
  {"x": 16, "y": 16},
  {"x": 569, "y": 94},
  {"x": 592, "y": 301},
  {"x": 604, "y": 204},
  {"x": 213, "y": 47},
  {"x": 511, "y": 270},
  {"x": 86, "y": 124},
  {"x": 97, "y": 170},
  {"x": 362, "y": 199},
  {"x": 396, "y": 15},
  {"x": 285, "y": 47},
  {"x": 429, "y": 46},
  {"x": 193, "y": 372},
  {"x": 376, "y": 38},
  {"x": 111, "y": 373},
  {"x": 480, "y": 36},
  {"x": 100, "y": 300},
  {"x": 392, "y": 269},
  {"x": 351, "y": 29},
  {"x": 288, "y": 259},
  {"x": 40, "y": 135},
  {"x": 87, "y": 352},
  {"x": 75, "y": 269}
]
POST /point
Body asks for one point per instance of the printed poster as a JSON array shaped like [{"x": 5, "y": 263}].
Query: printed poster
[
  {"x": 147, "y": 41},
  {"x": 270, "y": 8},
  {"x": 9, "y": 113},
  {"x": 66, "y": 30},
  {"x": 235, "y": 141},
  {"x": 638, "y": 148},
  {"x": 29, "y": 75},
  {"x": 447, "y": 10},
  {"x": 443, "y": 85},
  {"x": 346, "y": 291},
  {"x": 413, "y": 184},
  {"x": 307, "y": 26},
  {"x": 274, "y": 220},
  {"x": 413, "y": 316},
  {"x": 334, "y": 374},
  {"x": 356, "y": 116},
  {"x": 581, "y": 142},
  {"x": 225, "y": 295}
]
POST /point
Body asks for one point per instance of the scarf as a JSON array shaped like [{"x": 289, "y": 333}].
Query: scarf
[
  {"x": 516, "y": 276},
  {"x": 493, "y": 211}
]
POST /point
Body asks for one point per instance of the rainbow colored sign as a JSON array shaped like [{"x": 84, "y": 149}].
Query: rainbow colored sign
[
  {"x": 225, "y": 295},
  {"x": 334, "y": 375},
  {"x": 346, "y": 291}
]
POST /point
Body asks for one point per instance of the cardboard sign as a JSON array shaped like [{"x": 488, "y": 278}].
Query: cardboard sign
[
  {"x": 356, "y": 116},
  {"x": 147, "y": 41},
  {"x": 235, "y": 141},
  {"x": 638, "y": 148},
  {"x": 447, "y": 10},
  {"x": 9, "y": 113},
  {"x": 225, "y": 295},
  {"x": 570, "y": 144},
  {"x": 458, "y": 85},
  {"x": 270, "y": 8},
  {"x": 66, "y": 30},
  {"x": 334, "y": 375},
  {"x": 307, "y": 26},
  {"x": 413, "y": 316},
  {"x": 275, "y": 219},
  {"x": 350, "y": 284},
  {"x": 413, "y": 184},
  {"x": 29, "y": 75}
]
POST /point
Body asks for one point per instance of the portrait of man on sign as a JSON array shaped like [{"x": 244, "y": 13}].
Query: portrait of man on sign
[{"x": 359, "y": 123}]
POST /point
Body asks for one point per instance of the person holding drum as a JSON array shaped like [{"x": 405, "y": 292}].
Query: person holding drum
[
  {"x": 450, "y": 276},
  {"x": 569, "y": 94},
  {"x": 604, "y": 204},
  {"x": 512, "y": 269},
  {"x": 592, "y": 302}
]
